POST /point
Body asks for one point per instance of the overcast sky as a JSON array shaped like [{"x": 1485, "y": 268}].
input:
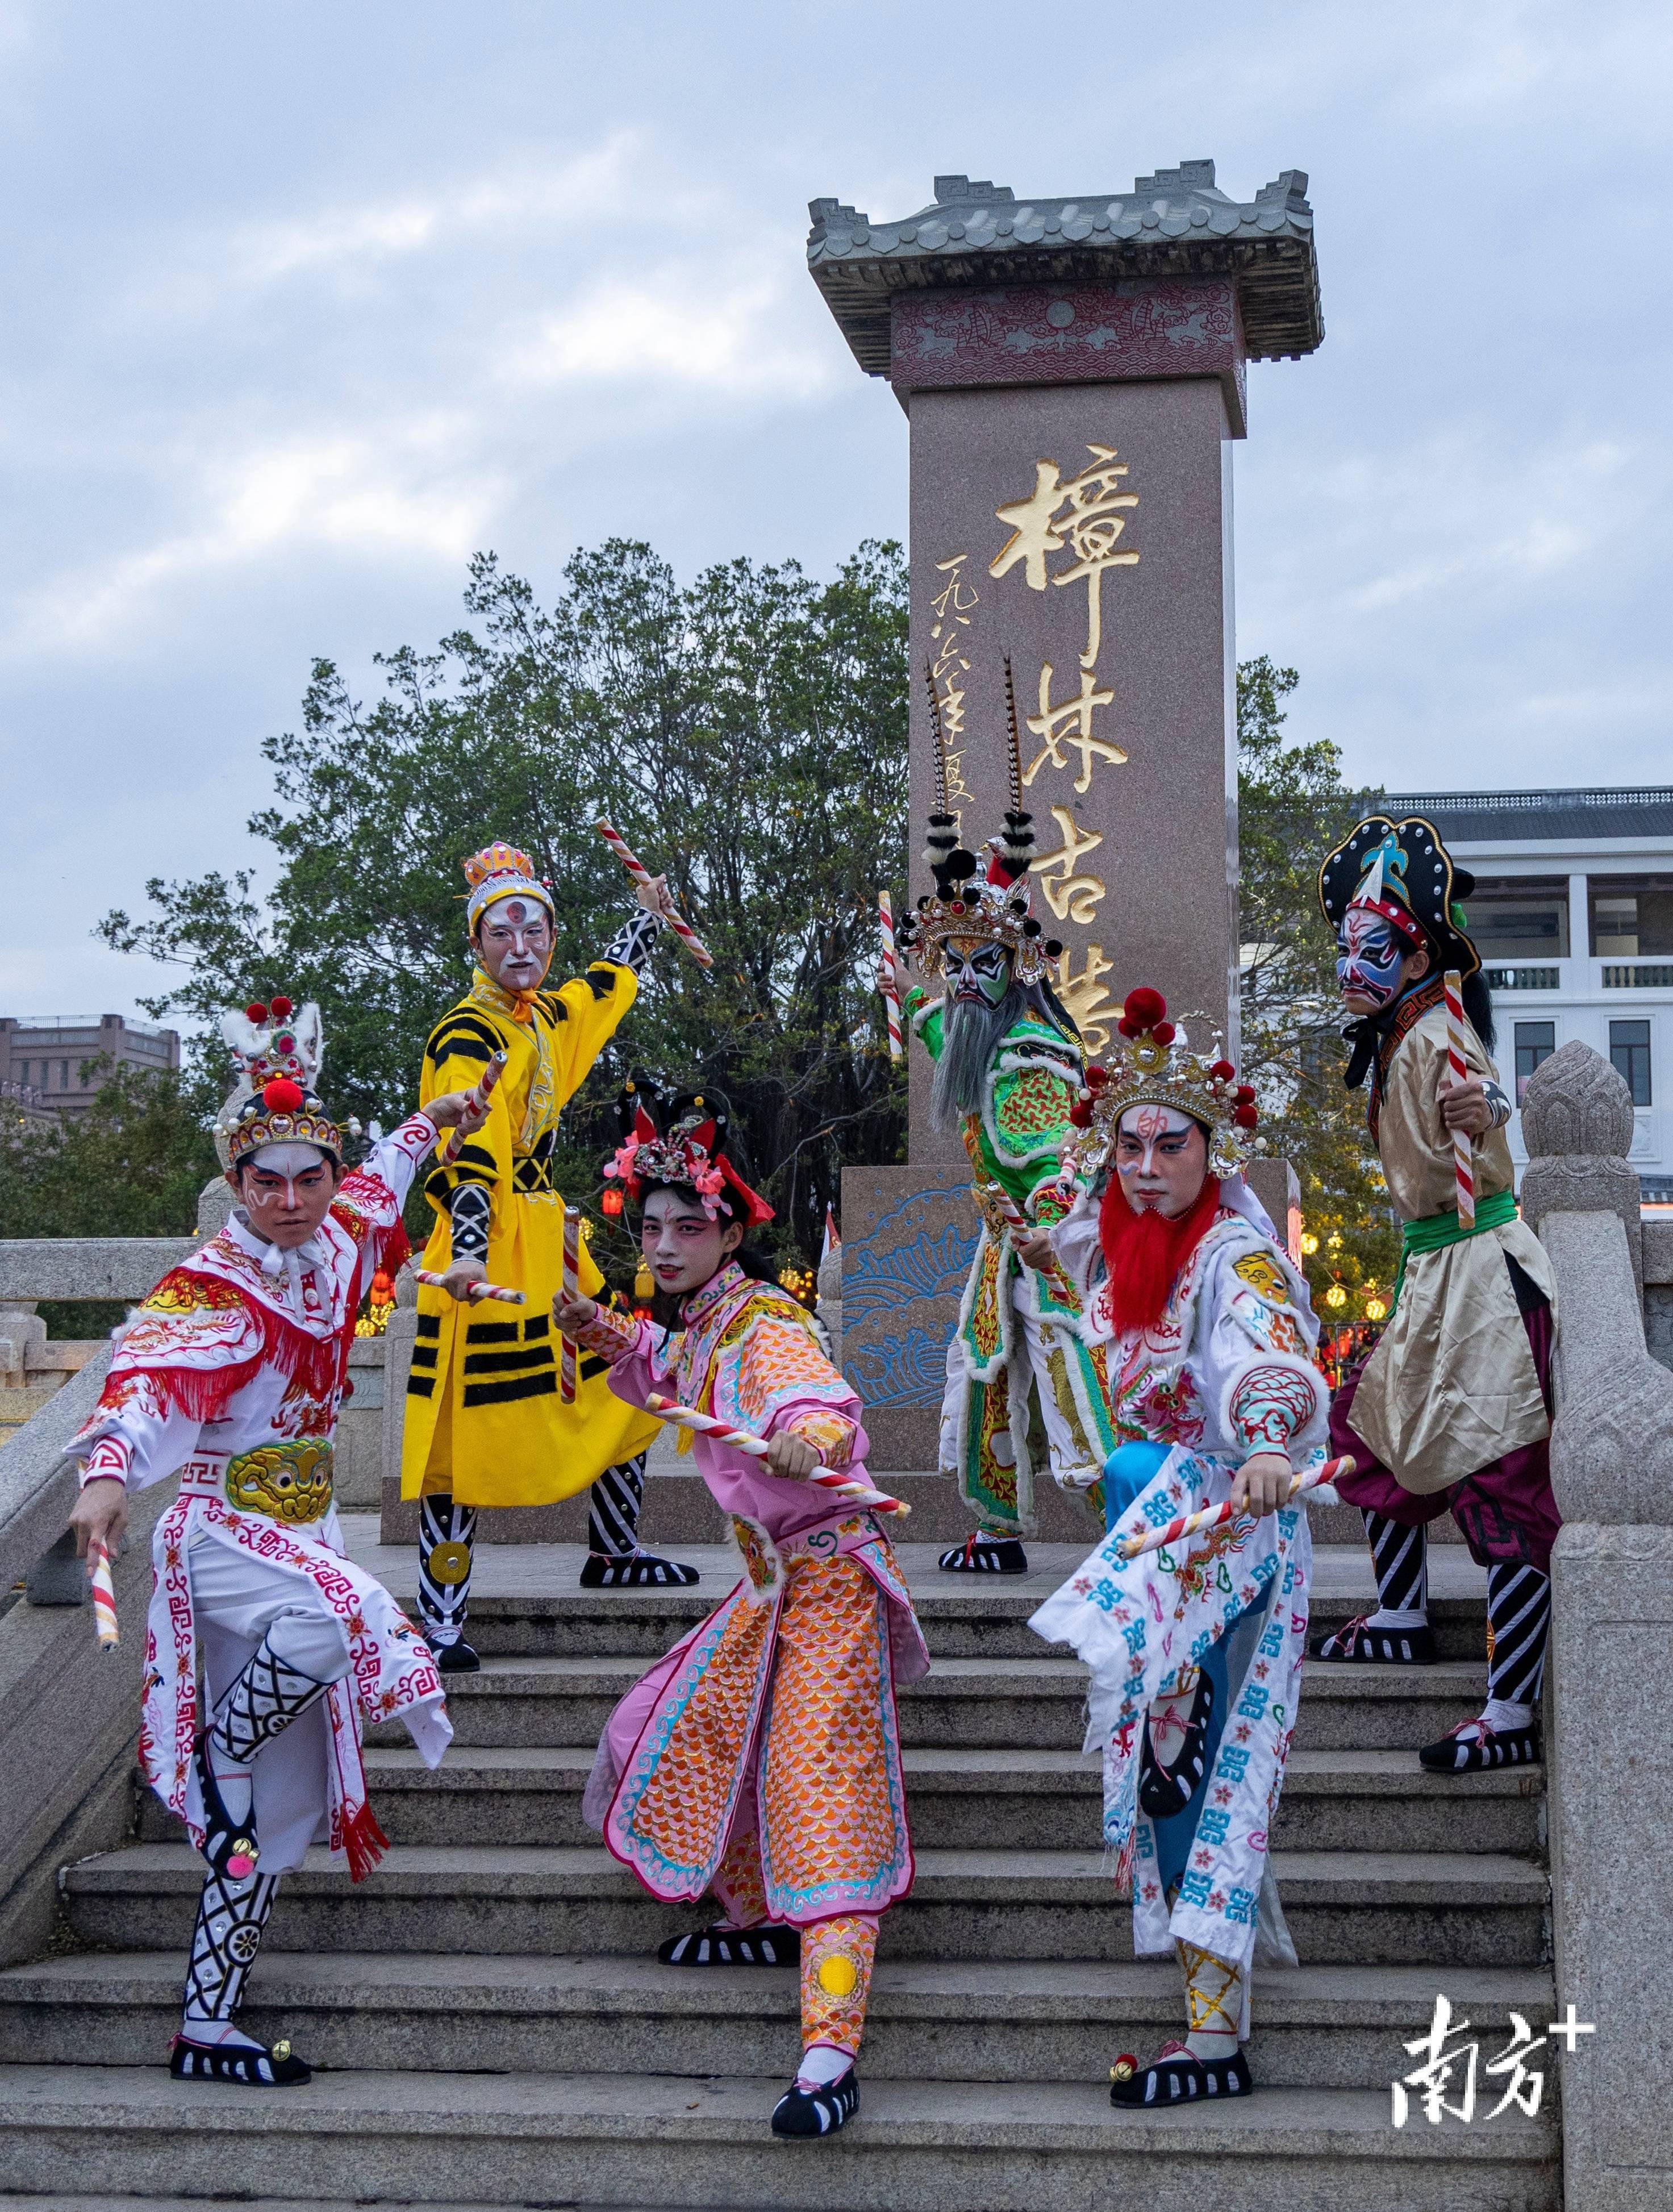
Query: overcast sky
[{"x": 304, "y": 303}]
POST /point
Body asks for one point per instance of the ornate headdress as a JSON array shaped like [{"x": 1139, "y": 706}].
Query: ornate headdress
[
  {"x": 498, "y": 872},
  {"x": 681, "y": 1140},
  {"x": 1402, "y": 871},
  {"x": 996, "y": 909},
  {"x": 278, "y": 1048},
  {"x": 1156, "y": 1067}
]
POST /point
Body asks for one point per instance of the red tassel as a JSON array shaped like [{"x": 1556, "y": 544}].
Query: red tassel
[
  {"x": 395, "y": 1248},
  {"x": 364, "y": 1843}
]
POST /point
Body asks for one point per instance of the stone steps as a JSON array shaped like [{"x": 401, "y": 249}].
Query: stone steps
[
  {"x": 515, "y": 1702},
  {"x": 1375, "y": 1801},
  {"x": 494, "y": 2030},
  {"x": 985, "y": 1621},
  {"x": 982, "y": 2019},
  {"x": 668, "y": 2141},
  {"x": 1433, "y": 1908}
]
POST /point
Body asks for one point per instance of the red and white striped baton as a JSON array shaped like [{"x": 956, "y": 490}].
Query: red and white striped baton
[
  {"x": 743, "y": 1440},
  {"x": 1216, "y": 1516}
]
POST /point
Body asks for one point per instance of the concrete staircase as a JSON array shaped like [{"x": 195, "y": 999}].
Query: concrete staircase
[{"x": 495, "y": 2030}]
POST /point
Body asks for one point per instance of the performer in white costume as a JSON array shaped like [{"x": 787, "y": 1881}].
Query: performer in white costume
[
  {"x": 231, "y": 1373},
  {"x": 1195, "y": 1650}
]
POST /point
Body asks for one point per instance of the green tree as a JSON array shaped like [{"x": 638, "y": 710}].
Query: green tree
[
  {"x": 130, "y": 1165},
  {"x": 747, "y": 733},
  {"x": 1293, "y": 806}
]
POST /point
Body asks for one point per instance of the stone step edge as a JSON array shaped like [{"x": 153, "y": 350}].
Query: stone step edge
[
  {"x": 1343, "y": 1996},
  {"x": 901, "y": 2115}
]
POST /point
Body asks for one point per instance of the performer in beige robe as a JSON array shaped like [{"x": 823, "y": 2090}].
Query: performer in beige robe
[{"x": 1452, "y": 1409}]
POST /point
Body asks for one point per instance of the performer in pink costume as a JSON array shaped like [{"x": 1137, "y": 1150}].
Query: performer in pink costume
[{"x": 760, "y": 1759}]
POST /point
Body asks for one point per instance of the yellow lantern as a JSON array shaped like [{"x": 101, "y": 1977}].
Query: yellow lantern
[
  {"x": 1376, "y": 1309},
  {"x": 1309, "y": 1244},
  {"x": 1335, "y": 1296}
]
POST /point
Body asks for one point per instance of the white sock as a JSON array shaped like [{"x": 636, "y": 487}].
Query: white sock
[
  {"x": 1397, "y": 1617},
  {"x": 233, "y": 1777},
  {"x": 1503, "y": 1714},
  {"x": 821, "y": 2065},
  {"x": 1210, "y": 2044},
  {"x": 220, "y": 2034}
]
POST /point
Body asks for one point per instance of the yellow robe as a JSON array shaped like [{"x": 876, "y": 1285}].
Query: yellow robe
[{"x": 484, "y": 1420}]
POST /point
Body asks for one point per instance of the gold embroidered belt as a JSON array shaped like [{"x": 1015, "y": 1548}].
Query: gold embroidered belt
[{"x": 289, "y": 1482}]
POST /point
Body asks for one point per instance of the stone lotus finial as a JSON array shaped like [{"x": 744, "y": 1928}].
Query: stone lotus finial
[
  {"x": 1577, "y": 1123},
  {"x": 1612, "y": 1438},
  {"x": 1577, "y": 1103}
]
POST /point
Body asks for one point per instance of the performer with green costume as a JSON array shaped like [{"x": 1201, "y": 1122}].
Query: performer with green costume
[{"x": 1008, "y": 1066}]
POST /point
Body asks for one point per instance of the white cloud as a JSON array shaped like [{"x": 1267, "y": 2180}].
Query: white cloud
[
  {"x": 395, "y": 497},
  {"x": 667, "y": 328},
  {"x": 517, "y": 199}
]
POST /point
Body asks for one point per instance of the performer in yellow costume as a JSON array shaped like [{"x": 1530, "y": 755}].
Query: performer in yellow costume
[{"x": 485, "y": 1424}]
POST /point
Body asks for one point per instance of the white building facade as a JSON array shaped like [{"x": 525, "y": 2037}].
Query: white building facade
[{"x": 1572, "y": 913}]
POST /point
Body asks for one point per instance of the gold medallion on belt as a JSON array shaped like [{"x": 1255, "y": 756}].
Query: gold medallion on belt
[{"x": 290, "y": 1481}]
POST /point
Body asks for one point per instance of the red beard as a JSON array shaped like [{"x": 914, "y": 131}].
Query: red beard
[{"x": 1144, "y": 1252}]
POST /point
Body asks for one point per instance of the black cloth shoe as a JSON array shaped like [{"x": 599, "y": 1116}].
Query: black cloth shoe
[
  {"x": 733, "y": 1947},
  {"x": 1362, "y": 1646},
  {"x": 817, "y": 2111},
  {"x": 986, "y": 1555},
  {"x": 1472, "y": 1747},
  {"x": 1177, "y": 2077},
  {"x": 640, "y": 1571},
  {"x": 258, "y": 2068},
  {"x": 457, "y": 1658},
  {"x": 1165, "y": 1790},
  {"x": 230, "y": 1846}
]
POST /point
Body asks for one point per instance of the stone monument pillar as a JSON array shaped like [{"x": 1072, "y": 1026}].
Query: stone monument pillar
[{"x": 1074, "y": 371}]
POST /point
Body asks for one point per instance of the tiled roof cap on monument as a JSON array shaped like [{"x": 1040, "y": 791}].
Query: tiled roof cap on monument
[{"x": 1175, "y": 224}]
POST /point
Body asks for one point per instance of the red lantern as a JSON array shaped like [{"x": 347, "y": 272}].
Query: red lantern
[{"x": 610, "y": 1202}]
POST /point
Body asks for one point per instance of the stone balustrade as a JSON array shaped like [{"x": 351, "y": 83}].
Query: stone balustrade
[{"x": 1608, "y": 1748}]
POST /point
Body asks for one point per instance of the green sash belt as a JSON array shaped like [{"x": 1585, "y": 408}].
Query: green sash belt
[{"x": 1436, "y": 1229}]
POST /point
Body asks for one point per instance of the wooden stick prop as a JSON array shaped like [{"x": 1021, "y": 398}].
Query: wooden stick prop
[
  {"x": 640, "y": 874},
  {"x": 1463, "y": 1156},
  {"x": 481, "y": 1091},
  {"x": 685, "y": 1417},
  {"x": 478, "y": 1291},
  {"x": 571, "y": 1267},
  {"x": 1216, "y": 1516},
  {"x": 888, "y": 975},
  {"x": 104, "y": 1596}
]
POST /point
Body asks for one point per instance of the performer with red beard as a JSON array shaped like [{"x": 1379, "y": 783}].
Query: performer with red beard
[{"x": 1195, "y": 1651}]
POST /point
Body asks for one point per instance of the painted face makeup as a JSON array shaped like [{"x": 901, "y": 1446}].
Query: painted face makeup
[
  {"x": 682, "y": 1247},
  {"x": 515, "y": 942},
  {"x": 1373, "y": 954},
  {"x": 984, "y": 971},
  {"x": 1161, "y": 1156}
]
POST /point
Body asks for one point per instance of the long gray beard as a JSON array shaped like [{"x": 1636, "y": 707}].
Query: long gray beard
[{"x": 970, "y": 1036}]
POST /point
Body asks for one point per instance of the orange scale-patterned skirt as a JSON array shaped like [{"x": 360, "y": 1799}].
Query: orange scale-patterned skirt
[{"x": 780, "y": 1715}]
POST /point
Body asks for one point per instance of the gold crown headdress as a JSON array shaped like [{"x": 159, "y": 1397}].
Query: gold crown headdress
[
  {"x": 996, "y": 909},
  {"x": 1154, "y": 1066},
  {"x": 500, "y": 871},
  {"x": 278, "y": 1048}
]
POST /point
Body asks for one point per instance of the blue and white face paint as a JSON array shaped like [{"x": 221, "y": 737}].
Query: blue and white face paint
[{"x": 1373, "y": 952}]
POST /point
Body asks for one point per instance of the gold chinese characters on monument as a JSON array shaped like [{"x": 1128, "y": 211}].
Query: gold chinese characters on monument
[{"x": 1070, "y": 532}]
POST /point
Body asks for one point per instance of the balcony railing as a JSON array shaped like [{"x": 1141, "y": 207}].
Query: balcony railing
[
  {"x": 1639, "y": 975},
  {"x": 1522, "y": 979}
]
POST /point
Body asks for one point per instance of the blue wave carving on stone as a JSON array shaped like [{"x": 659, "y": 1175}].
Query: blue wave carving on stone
[
  {"x": 918, "y": 1260},
  {"x": 898, "y": 1371}
]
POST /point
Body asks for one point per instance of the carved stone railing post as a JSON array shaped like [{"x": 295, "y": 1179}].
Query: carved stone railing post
[
  {"x": 1577, "y": 1123},
  {"x": 1609, "y": 1767}
]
